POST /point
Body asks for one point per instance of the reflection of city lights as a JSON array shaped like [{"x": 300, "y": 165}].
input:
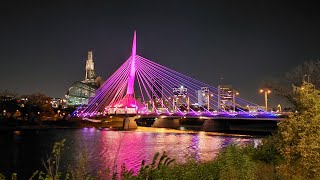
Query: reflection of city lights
[
  {"x": 143, "y": 143},
  {"x": 202, "y": 133}
]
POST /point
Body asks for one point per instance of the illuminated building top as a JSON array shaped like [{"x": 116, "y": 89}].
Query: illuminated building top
[{"x": 90, "y": 74}]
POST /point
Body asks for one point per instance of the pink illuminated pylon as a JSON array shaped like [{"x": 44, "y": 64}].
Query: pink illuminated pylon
[
  {"x": 128, "y": 104},
  {"x": 130, "y": 88}
]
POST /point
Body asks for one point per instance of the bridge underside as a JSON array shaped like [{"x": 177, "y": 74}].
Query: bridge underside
[{"x": 228, "y": 125}]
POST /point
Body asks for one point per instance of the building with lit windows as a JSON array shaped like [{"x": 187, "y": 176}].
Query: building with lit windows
[
  {"x": 81, "y": 91},
  {"x": 226, "y": 98},
  {"x": 202, "y": 96}
]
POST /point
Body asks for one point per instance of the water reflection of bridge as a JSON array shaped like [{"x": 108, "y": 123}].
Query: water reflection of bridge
[{"x": 163, "y": 93}]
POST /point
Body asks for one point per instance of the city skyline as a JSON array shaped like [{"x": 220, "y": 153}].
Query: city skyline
[{"x": 45, "y": 45}]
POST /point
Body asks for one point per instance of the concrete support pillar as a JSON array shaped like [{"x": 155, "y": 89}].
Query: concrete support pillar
[
  {"x": 214, "y": 125},
  {"x": 166, "y": 123},
  {"x": 129, "y": 123}
]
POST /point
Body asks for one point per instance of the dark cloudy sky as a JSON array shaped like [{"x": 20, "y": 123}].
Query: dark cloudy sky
[{"x": 44, "y": 44}]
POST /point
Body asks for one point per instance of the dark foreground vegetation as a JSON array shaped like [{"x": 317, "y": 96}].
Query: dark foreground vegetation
[{"x": 291, "y": 153}]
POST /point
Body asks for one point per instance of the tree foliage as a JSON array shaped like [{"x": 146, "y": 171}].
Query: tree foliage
[
  {"x": 8, "y": 93},
  {"x": 38, "y": 102},
  {"x": 234, "y": 163},
  {"x": 299, "y": 135},
  {"x": 267, "y": 151}
]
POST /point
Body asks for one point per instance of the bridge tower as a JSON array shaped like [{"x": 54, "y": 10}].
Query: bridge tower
[
  {"x": 128, "y": 104},
  {"x": 130, "y": 87}
]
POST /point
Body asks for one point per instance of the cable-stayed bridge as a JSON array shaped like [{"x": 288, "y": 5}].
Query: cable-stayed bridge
[{"x": 144, "y": 88}]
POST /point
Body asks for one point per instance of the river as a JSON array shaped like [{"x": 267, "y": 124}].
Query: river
[{"x": 22, "y": 151}]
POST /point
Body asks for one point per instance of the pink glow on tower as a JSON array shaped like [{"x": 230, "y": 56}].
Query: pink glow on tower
[
  {"x": 128, "y": 104},
  {"x": 130, "y": 88}
]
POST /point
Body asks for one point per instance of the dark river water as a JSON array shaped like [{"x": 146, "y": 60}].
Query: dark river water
[{"x": 22, "y": 151}]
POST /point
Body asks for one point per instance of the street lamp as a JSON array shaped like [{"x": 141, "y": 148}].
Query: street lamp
[
  {"x": 266, "y": 92},
  {"x": 174, "y": 103},
  {"x": 188, "y": 102},
  {"x": 235, "y": 93},
  {"x": 208, "y": 99},
  {"x": 279, "y": 106}
]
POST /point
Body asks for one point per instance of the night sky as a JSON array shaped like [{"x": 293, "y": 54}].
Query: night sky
[{"x": 44, "y": 44}]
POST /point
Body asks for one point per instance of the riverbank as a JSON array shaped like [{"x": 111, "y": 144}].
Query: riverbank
[{"x": 16, "y": 125}]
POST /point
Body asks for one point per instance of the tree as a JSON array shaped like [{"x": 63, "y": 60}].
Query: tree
[
  {"x": 299, "y": 135},
  {"x": 309, "y": 72},
  {"x": 8, "y": 103},
  {"x": 38, "y": 103},
  {"x": 8, "y": 93}
]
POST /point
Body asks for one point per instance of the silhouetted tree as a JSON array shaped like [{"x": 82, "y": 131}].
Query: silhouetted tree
[
  {"x": 8, "y": 103},
  {"x": 8, "y": 93},
  {"x": 307, "y": 72},
  {"x": 37, "y": 103}
]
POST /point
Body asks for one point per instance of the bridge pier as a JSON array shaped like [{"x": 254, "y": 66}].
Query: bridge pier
[
  {"x": 129, "y": 123},
  {"x": 173, "y": 123},
  {"x": 253, "y": 125},
  {"x": 213, "y": 125}
]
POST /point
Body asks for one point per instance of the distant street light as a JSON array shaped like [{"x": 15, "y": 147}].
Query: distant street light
[
  {"x": 188, "y": 102},
  {"x": 266, "y": 92},
  {"x": 209, "y": 95},
  {"x": 235, "y": 93},
  {"x": 279, "y": 106}
]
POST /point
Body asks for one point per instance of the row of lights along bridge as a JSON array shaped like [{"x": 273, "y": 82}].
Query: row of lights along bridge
[{"x": 224, "y": 100}]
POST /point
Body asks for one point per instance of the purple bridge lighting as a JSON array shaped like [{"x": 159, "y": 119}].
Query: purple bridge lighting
[{"x": 161, "y": 91}]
